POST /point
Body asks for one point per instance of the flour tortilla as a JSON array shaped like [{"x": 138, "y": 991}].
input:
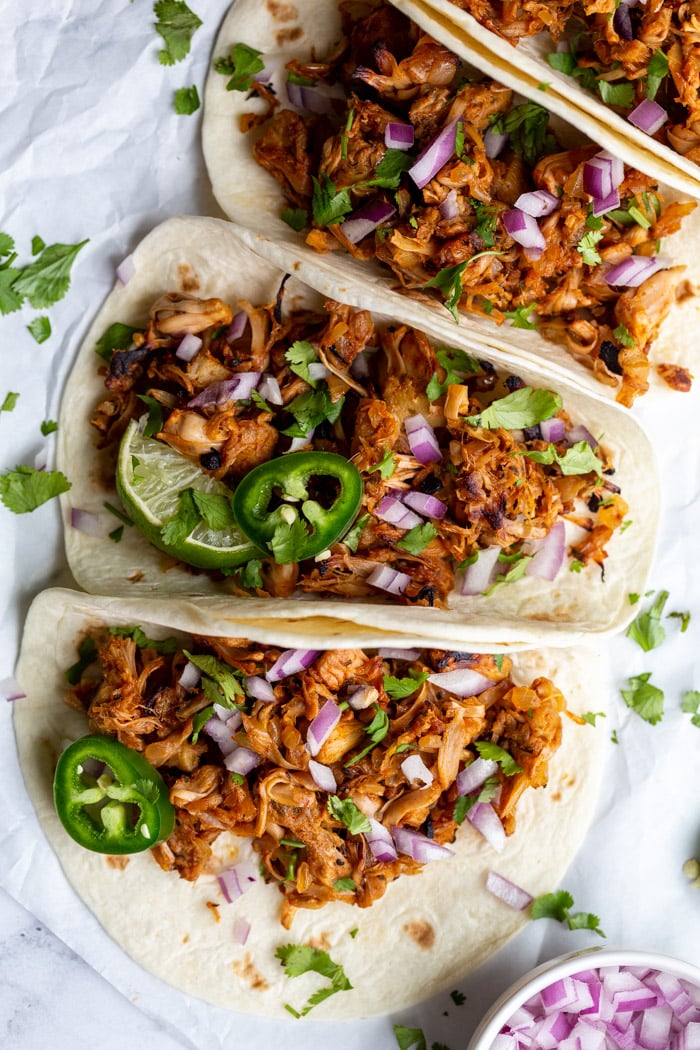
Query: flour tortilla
[
  {"x": 205, "y": 256},
  {"x": 250, "y": 196},
  {"x": 526, "y": 69},
  {"x": 427, "y": 931}
]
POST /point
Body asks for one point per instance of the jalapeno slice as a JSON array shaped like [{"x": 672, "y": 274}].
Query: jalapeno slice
[
  {"x": 299, "y": 504},
  {"x": 109, "y": 798}
]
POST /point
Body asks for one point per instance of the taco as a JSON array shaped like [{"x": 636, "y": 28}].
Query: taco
[
  {"x": 482, "y": 205},
  {"x": 304, "y": 460},
  {"x": 625, "y": 71},
  {"x": 196, "y": 909}
]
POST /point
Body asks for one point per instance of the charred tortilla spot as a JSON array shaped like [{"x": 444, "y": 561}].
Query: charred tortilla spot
[
  {"x": 285, "y": 36},
  {"x": 245, "y": 969},
  {"x": 188, "y": 279},
  {"x": 117, "y": 862},
  {"x": 282, "y": 12},
  {"x": 421, "y": 932}
]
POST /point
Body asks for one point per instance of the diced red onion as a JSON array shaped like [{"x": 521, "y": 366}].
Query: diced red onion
[
  {"x": 422, "y": 441},
  {"x": 494, "y": 141},
  {"x": 126, "y": 270},
  {"x": 322, "y": 776},
  {"x": 486, "y": 820},
  {"x": 479, "y": 575},
  {"x": 635, "y": 269},
  {"x": 420, "y": 847},
  {"x": 359, "y": 369},
  {"x": 537, "y": 203},
  {"x": 242, "y": 761},
  {"x": 299, "y": 443},
  {"x": 190, "y": 676},
  {"x": 399, "y": 136},
  {"x": 511, "y": 894},
  {"x": 602, "y": 175},
  {"x": 428, "y": 506},
  {"x": 380, "y": 842},
  {"x": 449, "y": 208},
  {"x": 321, "y": 727},
  {"x": 366, "y": 219},
  {"x": 237, "y": 327},
  {"x": 312, "y": 97},
  {"x": 222, "y": 734},
  {"x": 269, "y": 390},
  {"x": 363, "y": 697},
  {"x": 189, "y": 345},
  {"x": 549, "y": 553},
  {"x": 648, "y": 116},
  {"x": 601, "y": 205},
  {"x": 241, "y": 930},
  {"x": 475, "y": 775},
  {"x": 394, "y": 512},
  {"x": 260, "y": 689},
  {"x": 291, "y": 661},
  {"x": 434, "y": 156},
  {"x": 415, "y": 770},
  {"x": 580, "y": 433},
  {"x": 523, "y": 229},
  {"x": 553, "y": 429},
  {"x": 399, "y": 654},
  {"x": 237, "y": 880},
  {"x": 232, "y": 718},
  {"x": 390, "y": 580},
  {"x": 317, "y": 371},
  {"x": 238, "y": 388},
  {"x": 10, "y": 689},
  {"x": 86, "y": 521},
  {"x": 462, "y": 682}
]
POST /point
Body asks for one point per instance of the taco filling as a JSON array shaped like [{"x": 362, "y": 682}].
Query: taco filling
[
  {"x": 345, "y": 769},
  {"x": 342, "y": 457},
  {"x": 387, "y": 150}
]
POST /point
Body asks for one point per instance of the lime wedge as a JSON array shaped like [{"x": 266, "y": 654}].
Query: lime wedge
[{"x": 150, "y": 477}]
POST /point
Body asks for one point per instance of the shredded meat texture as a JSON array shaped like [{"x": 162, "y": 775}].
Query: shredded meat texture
[
  {"x": 307, "y": 838},
  {"x": 448, "y": 238}
]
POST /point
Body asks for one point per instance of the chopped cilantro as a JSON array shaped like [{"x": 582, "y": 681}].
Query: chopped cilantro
[
  {"x": 165, "y": 646},
  {"x": 590, "y": 716},
  {"x": 116, "y": 534},
  {"x": 557, "y": 906},
  {"x": 344, "y": 885},
  {"x": 684, "y": 617},
  {"x": 352, "y": 537},
  {"x": 302, "y": 958},
  {"x": 690, "y": 703},
  {"x": 10, "y": 401},
  {"x": 575, "y": 565},
  {"x": 644, "y": 698},
  {"x": 117, "y": 337},
  {"x": 287, "y": 540},
  {"x": 297, "y": 218},
  {"x": 625, "y": 525},
  {"x": 47, "y": 280},
  {"x": 376, "y": 730},
  {"x": 345, "y": 811},
  {"x": 520, "y": 317},
  {"x": 386, "y": 465},
  {"x": 458, "y": 998},
  {"x": 486, "y": 221},
  {"x": 260, "y": 402},
  {"x": 241, "y": 66},
  {"x": 620, "y": 93},
  {"x": 390, "y": 169},
  {"x": 48, "y": 426},
  {"x": 24, "y": 488},
  {"x": 657, "y": 69},
  {"x": 449, "y": 281},
  {"x": 646, "y": 629},
  {"x": 621, "y": 333},
  {"x": 586, "y": 247},
  {"x": 154, "y": 423},
  {"x": 250, "y": 575},
  {"x": 177, "y": 25},
  {"x": 40, "y": 329},
  {"x": 513, "y": 575},
  {"x": 199, "y": 720},
  {"x": 312, "y": 408},
  {"x": 418, "y": 538},
  {"x": 527, "y": 127},
  {"x": 398, "y": 688},
  {"x": 495, "y": 753},
  {"x": 522, "y": 408},
  {"x": 300, "y": 355},
  {"x": 38, "y": 245},
  {"x": 328, "y": 204},
  {"x": 223, "y": 678},
  {"x": 459, "y": 138},
  {"x": 409, "y": 1038},
  {"x": 613, "y": 737},
  {"x": 579, "y": 459},
  {"x": 186, "y": 101},
  {"x": 87, "y": 654},
  {"x": 487, "y": 793}
]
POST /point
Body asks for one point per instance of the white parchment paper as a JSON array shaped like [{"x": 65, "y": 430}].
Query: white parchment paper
[{"x": 90, "y": 146}]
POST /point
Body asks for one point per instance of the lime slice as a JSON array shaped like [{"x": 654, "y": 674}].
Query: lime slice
[{"x": 150, "y": 477}]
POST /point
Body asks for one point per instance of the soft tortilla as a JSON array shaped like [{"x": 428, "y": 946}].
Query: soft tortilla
[
  {"x": 205, "y": 257},
  {"x": 253, "y": 199},
  {"x": 423, "y": 935},
  {"x": 526, "y": 68}
]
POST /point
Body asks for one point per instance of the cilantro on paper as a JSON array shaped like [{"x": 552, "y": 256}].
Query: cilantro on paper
[
  {"x": 684, "y": 617},
  {"x": 523, "y": 408},
  {"x": 591, "y": 716},
  {"x": 40, "y": 329},
  {"x": 458, "y": 998},
  {"x": 7, "y": 245},
  {"x": 557, "y": 906},
  {"x": 186, "y": 101},
  {"x": 177, "y": 24},
  {"x": 644, "y": 698},
  {"x": 24, "y": 488},
  {"x": 242, "y": 66},
  {"x": 47, "y": 280},
  {"x": 10, "y": 401},
  {"x": 302, "y": 958},
  {"x": 646, "y": 629},
  {"x": 38, "y": 245},
  {"x": 10, "y": 299},
  {"x": 690, "y": 703},
  {"x": 48, "y": 426},
  {"x": 409, "y": 1038}
]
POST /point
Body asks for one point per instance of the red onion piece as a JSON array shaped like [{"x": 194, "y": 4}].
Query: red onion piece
[
  {"x": 238, "y": 388},
  {"x": 399, "y": 136},
  {"x": 479, "y": 575},
  {"x": 462, "y": 682},
  {"x": 317, "y": 370},
  {"x": 399, "y": 654},
  {"x": 523, "y": 229},
  {"x": 449, "y": 208},
  {"x": 394, "y": 512},
  {"x": 428, "y": 506},
  {"x": 601, "y": 205},
  {"x": 260, "y": 689},
  {"x": 189, "y": 345},
  {"x": 602, "y": 174},
  {"x": 635, "y": 269},
  {"x": 299, "y": 443},
  {"x": 241, "y": 930},
  {"x": 190, "y": 676},
  {"x": 292, "y": 661},
  {"x": 549, "y": 553},
  {"x": 486, "y": 820},
  {"x": 237, "y": 327},
  {"x": 269, "y": 390},
  {"x": 435, "y": 156},
  {"x": 10, "y": 689},
  {"x": 366, "y": 219},
  {"x": 420, "y": 847},
  {"x": 390, "y": 580},
  {"x": 363, "y": 697},
  {"x": 494, "y": 141},
  {"x": 321, "y": 727},
  {"x": 242, "y": 761},
  {"x": 537, "y": 203},
  {"x": 222, "y": 734},
  {"x": 233, "y": 719},
  {"x": 474, "y": 775},
  {"x": 322, "y": 776},
  {"x": 237, "y": 880},
  {"x": 380, "y": 842},
  {"x": 126, "y": 270},
  {"x": 649, "y": 116},
  {"x": 580, "y": 433},
  {"x": 507, "y": 891},
  {"x": 314, "y": 98},
  {"x": 359, "y": 369},
  {"x": 416, "y": 772},
  {"x": 86, "y": 521},
  {"x": 553, "y": 429},
  {"x": 422, "y": 441}
]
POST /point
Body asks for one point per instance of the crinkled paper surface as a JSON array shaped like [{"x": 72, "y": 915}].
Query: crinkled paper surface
[{"x": 90, "y": 146}]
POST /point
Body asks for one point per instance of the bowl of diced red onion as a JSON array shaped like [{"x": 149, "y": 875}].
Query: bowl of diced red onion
[{"x": 598, "y": 999}]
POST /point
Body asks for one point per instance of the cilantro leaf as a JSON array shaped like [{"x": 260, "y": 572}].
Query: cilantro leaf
[
  {"x": 644, "y": 698},
  {"x": 138, "y": 635},
  {"x": 520, "y": 317},
  {"x": 513, "y": 575},
  {"x": 7, "y": 245},
  {"x": 449, "y": 282},
  {"x": 38, "y": 245},
  {"x": 495, "y": 753},
  {"x": 47, "y": 280},
  {"x": 486, "y": 221},
  {"x": 10, "y": 401},
  {"x": 418, "y": 538},
  {"x": 398, "y": 688},
  {"x": 622, "y": 334},
  {"x": 590, "y": 716},
  {"x": 527, "y": 127},
  {"x": 24, "y": 488},
  {"x": 241, "y": 66},
  {"x": 563, "y": 62},
  {"x": 117, "y": 337},
  {"x": 154, "y": 423},
  {"x": 300, "y": 355},
  {"x": 557, "y": 906},
  {"x": 458, "y": 998},
  {"x": 251, "y": 574},
  {"x": 657, "y": 69},
  {"x": 386, "y": 465},
  {"x": 487, "y": 793},
  {"x": 409, "y": 1038},
  {"x": 376, "y": 730},
  {"x": 586, "y": 247},
  {"x": 10, "y": 298},
  {"x": 176, "y": 24},
  {"x": 312, "y": 408},
  {"x": 579, "y": 459},
  {"x": 297, "y": 218},
  {"x": 690, "y": 703},
  {"x": 186, "y": 101},
  {"x": 301, "y": 958},
  {"x": 348, "y": 814},
  {"x": 522, "y": 408},
  {"x": 40, "y": 329},
  {"x": 646, "y": 629},
  {"x": 388, "y": 172},
  {"x": 344, "y": 885},
  {"x": 684, "y": 617},
  {"x": 87, "y": 654},
  {"x": 184, "y": 521},
  {"x": 351, "y": 538},
  {"x": 328, "y": 204},
  {"x": 215, "y": 508},
  {"x": 48, "y": 426},
  {"x": 287, "y": 540},
  {"x": 620, "y": 94},
  {"x": 220, "y": 673}
]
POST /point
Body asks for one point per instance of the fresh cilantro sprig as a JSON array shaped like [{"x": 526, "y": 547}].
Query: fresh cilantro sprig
[
  {"x": 220, "y": 683},
  {"x": 345, "y": 811},
  {"x": 579, "y": 459},
  {"x": 399, "y": 688},
  {"x": 586, "y": 247},
  {"x": 449, "y": 281},
  {"x": 176, "y": 24},
  {"x": 376, "y": 731},
  {"x": 386, "y": 465},
  {"x": 527, "y": 127},
  {"x": 418, "y": 538},
  {"x": 312, "y": 408},
  {"x": 646, "y": 629},
  {"x": 487, "y": 793},
  {"x": 522, "y": 408},
  {"x": 495, "y": 753},
  {"x": 298, "y": 959},
  {"x": 24, "y": 489},
  {"x": 42, "y": 282},
  {"x": 300, "y": 355},
  {"x": 164, "y": 646},
  {"x": 558, "y": 906},
  {"x": 644, "y": 698}
]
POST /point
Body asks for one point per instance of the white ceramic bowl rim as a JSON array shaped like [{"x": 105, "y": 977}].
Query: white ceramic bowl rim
[{"x": 564, "y": 966}]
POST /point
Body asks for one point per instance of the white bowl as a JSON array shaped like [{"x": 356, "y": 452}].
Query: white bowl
[{"x": 565, "y": 966}]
